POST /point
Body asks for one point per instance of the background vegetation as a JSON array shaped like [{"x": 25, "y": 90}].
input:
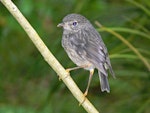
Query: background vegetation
[{"x": 29, "y": 85}]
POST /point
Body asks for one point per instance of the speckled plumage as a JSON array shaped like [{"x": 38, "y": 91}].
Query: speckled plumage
[{"x": 85, "y": 47}]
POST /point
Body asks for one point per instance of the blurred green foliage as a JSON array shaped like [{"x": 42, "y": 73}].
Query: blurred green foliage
[{"x": 29, "y": 85}]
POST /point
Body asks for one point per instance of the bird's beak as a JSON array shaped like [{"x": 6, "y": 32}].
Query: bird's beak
[{"x": 60, "y": 25}]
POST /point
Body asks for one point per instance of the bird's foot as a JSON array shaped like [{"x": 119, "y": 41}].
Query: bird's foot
[
  {"x": 84, "y": 98},
  {"x": 68, "y": 74}
]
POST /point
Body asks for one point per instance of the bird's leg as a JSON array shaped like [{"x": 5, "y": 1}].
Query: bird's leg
[
  {"x": 87, "y": 88},
  {"x": 74, "y": 68},
  {"x": 71, "y": 69},
  {"x": 89, "y": 81}
]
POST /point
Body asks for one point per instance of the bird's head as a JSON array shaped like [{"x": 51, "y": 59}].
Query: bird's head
[{"x": 73, "y": 23}]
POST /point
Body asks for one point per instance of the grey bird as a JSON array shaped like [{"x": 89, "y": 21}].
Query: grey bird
[{"x": 86, "y": 48}]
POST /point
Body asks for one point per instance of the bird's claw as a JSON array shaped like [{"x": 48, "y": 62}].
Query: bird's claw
[
  {"x": 68, "y": 70},
  {"x": 84, "y": 96},
  {"x": 68, "y": 73}
]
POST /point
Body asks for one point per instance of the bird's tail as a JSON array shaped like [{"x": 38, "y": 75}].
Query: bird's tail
[{"x": 104, "y": 82}]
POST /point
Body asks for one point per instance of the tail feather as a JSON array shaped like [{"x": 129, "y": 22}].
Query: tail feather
[{"x": 104, "y": 82}]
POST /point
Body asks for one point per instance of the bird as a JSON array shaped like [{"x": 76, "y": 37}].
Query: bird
[{"x": 85, "y": 47}]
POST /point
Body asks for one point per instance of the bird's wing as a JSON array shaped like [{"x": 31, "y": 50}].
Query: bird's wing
[
  {"x": 90, "y": 46},
  {"x": 96, "y": 51}
]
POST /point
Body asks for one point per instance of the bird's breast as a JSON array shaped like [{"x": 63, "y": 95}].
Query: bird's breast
[{"x": 75, "y": 52}]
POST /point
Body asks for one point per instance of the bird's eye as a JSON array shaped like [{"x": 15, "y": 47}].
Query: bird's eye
[{"x": 74, "y": 23}]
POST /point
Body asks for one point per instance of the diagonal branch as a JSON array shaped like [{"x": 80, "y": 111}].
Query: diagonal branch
[{"x": 48, "y": 56}]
